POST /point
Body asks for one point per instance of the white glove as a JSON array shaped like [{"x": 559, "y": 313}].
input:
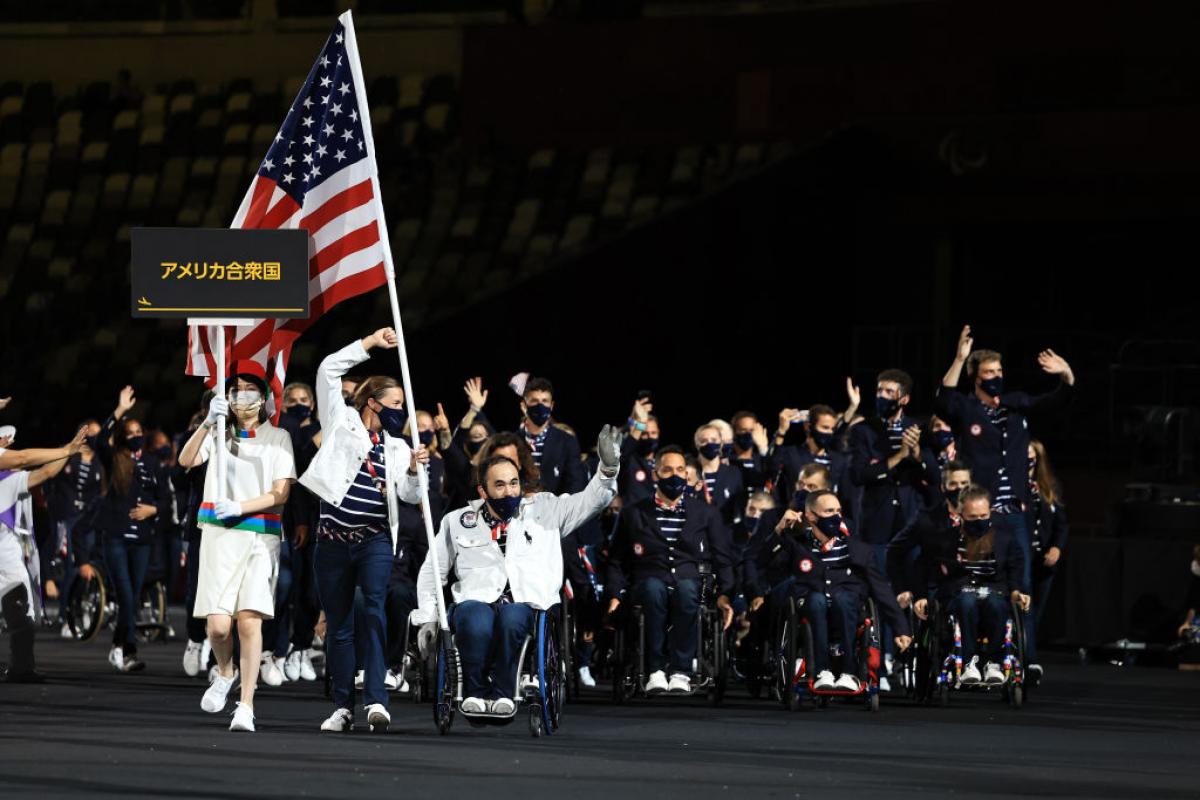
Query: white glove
[
  {"x": 227, "y": 509},
  {"x": 608, "y": 448},
  {"x": 427, "y": 638},
  {"x": 219, "y": 407}
]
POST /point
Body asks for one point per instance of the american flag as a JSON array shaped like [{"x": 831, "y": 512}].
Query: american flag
[{"x": 319, "y": 175}]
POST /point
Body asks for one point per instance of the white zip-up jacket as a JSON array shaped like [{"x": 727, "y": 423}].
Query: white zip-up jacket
[
  {"x": 531, "y": 564},
  {"x": 345, "y": 443}
]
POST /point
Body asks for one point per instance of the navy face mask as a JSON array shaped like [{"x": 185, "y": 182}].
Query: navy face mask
[
  {"x": 993, "y": 386},
  {"x": 474, "y": 447},
  {"x": 672, "y": 487},
  {"x": 538, "y": 413},
  {"x": 163, "y": 453},
  {"x": 830, "y": 526},
  {"x": 298, "y": 412},
  {"x": 823, "y": 441},
  {"x": 92, "y": 441},
  {"x": 134, "y": 443},
  {"x": 942, "y": 439},
  {"x": 977, "y": 527},
  {"x": 425, "y": 438},
  {"x": 710, "y": 449},
  {"x": 393, "y": 420},
  {"x": 744, "y": 441},
  {"x": 505, "y": 508},
  {"x": 646, "y": 446},
  {"x": 885, "y": 407},
  {"x": 798, "y": 498}
]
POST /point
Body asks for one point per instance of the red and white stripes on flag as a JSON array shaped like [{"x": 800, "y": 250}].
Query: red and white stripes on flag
[{"x": 319, "y": 175}]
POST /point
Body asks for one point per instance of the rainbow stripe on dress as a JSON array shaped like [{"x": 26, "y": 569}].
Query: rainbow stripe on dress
[{"x": 270, "y": 524}]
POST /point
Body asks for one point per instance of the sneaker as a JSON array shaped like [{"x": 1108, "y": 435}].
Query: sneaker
[
  {"x": 116, "y": 658},
  {"x": 657, "y": 682},
  {"x": 847, "y": 682},
  {"x": 885, "y": 685},
  {"x": 530, "y": 681},
  {"x": 243, "y": 718},
  {"x": 390, "y": 681},
  {"x": 378, "y": 718},
  {"x": 970, "y": 674},
  {"x": 504, "y": 707},
  {"x": 66, "y": 631},
  {"x": 132, "y": 664},
  {"x": 191, "y": 659},
  {"x": 307, "y": 673},
  {"x": 993, "y": 675},
  {"x": 291, "y": 665},
  {"x": 360, "y": 678},
  {"x": 1034, "y": 673},
  {"x": 889, "y": 663},
  {"x": 340, "y": 721},
  {"x": 474, "y": 705},
  {"x": 824, "y": 681},
  {"x": 269, "y": 671},
  {"x": 217, "y": 693},
  {"x": 32, "y": 676},
  {"x": 680, "y": 684},
  {"x": 585, "y": 678}
]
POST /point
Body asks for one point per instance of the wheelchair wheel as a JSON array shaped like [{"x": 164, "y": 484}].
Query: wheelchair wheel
[
  {"x": 718, "y": 661},
  {"x": 873, "y": 703},
  {"x": 446, "y": 687},
  {"x": 88, "y": 606},
  {"x": 943, "y": 694},
  {"x": 152, "y": 613},
  {"x": 551, "y": 675},
  {"x": 566, "y": 638},
  {"x": 788, "y": 650},
  {"x": 1016, "y": 695}
]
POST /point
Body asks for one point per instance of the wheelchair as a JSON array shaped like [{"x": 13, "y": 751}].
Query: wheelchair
[
  {"x": 712, "y": 665},
  {"x": 92, "y": 606},
  {"x": 939, "y": 658},
  {"x": 794, "y": 657},
  {"x": 541, "y": 679}
]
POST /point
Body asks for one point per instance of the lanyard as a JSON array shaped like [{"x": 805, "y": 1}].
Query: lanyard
[{"x": 371, "y": 467}]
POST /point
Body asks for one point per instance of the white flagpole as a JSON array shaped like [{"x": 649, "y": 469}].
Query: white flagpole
[
  {"x": 360, "y": 90},
  {"x": 219, "y": 433}
]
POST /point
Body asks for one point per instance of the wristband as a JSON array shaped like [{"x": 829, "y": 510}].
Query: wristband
[{"x": 638, "y": 426}]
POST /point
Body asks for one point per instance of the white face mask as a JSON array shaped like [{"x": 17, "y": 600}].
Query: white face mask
[{"x": 247, "y": 402}]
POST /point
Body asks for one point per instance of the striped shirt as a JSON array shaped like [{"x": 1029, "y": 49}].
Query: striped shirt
[
  {"x": 144, "y": 481},
  {"x": 87, "y": 481},
  {"x": 536, "y": 444},
  {"x": 363, "y": 506},
  {"x": 982, "y": 569},
  {"x": 670, "y": 520},
  {"x": 710, "y": 483},
  {"x": 895, "y": 434},
  {"x": 834, "y": 553},
  {"x": 1004, "y": 488}
]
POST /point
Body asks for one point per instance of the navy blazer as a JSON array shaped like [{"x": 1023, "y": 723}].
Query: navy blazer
[
  {"x": 786, "y": 463},
  {"x": 891, "y": 497},
  {"x": 112, "y": 518},
  {"x": 561, "y": 468},
  {"x": 639, "y": 551},
  {"x": 1047, "y": 525},
  {"x": 635, "y": 482},
  {"x": 727, "y": 494},
  {"x": 982, "y": 446},
  {"x": 937, "y": 567}
]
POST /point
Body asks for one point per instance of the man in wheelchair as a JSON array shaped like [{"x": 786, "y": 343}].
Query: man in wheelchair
[
  {"x": 505, "y": 552},
  {"x": 655, "y": 561},
  {"x": 974, "y": 569},
  {"x": 814, "y": 558}
]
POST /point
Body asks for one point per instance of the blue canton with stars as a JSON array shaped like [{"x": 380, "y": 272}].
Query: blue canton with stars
[{"x": 322, "y": 132}]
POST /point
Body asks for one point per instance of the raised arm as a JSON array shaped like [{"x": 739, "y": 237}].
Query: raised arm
[{"x": 36, "y": 456}]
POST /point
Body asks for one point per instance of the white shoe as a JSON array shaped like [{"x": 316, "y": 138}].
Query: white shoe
[
  {"x": 504, "y": 707},
  {"x": 530, "y": 681},
  {"x": 291, "y": 665},
  {"x": 657, "y": 682},
  {"x": 217, "y": 693},
  {"x": 67, "y": 633},
  {"x": 378, "y": 718},
  {"x": 585, "y": 678},
  {"x": 885, "y": 685},
  {"x": 474, "y": 705},
  {"x": 888, "y": 663},
  {"x": 279, "y": 662},
  {"x": 307, "y": 673},
  {"x": 191, "y": 659},
  {"x": 116, "y": 658},
  {"x": 847, "y": 682},
  {"x": 269, "y": 671},
  {"x": 359, "y": 678},
  {"x": 679, "y": 684},
  {"x": 824, "y": 681},
  {"x": 390, "y": 681},
  {"x": 993, "y": 675},
  {"x": 243, "y": 718},
  {"x": 340, "y": 721},
  {"x": 970, "y": 674}
]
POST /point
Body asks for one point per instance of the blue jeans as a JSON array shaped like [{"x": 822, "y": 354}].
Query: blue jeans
[
  {"x": 843, "y": 607},
  {"x": 342, "y": 567},
  {"x": 489, "y": 639},
  {"x": 126, "y": 561},
  {"x": 1018, "y": 527},
  {"x": 62, "y": 539},
  {"x": 981, "y": 616},
  {"x": 277, "y": 631},
  {"x": 681, "y": 604}
]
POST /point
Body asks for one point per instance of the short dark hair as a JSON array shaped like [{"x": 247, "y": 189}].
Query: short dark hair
[
  {"x": 820, "y": 410},
  {"x": 955, "y": 466},
  {"x": 978, "y": 357},
  {"x": 493, "y": 461},
  {"x": 538, "y": 385},
  {"x": 813, "y": 468},
  {"x": 897, "y": 376},
  {"x": 810, "y": 502},
  {"x": 741, "y": 415},
  {"x": 668, "y": 450},
  {"x": 974, "y": 492}
]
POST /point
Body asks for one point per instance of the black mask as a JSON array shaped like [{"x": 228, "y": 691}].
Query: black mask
[
  {"x": 823, "y": 441},
  {"x": 646, "y": 446},
  {"x": 349, "y": 399},
  {"x": 744, "y": 441},
  {"x": 538, "y": 413},
  {"x": 710, "y": 450},
  {"x": 134, "y": 443},
  {"x": 505, "y": 508},
  {"x": 672, "y": 487},
  {"x": 425, "y": 438},
  {"x": 885, "y": 407},
  {"x": 393, "y": 420},
  {"x": 163, "y": 453},
  {"x": 298, "y": 412},
  {"x": 830, "y": 526},
  {"x": 993, "y": 387},
  {"x": 474, "y": 447},
  {"x": 942, "y": 439},
  {"x": 798, "y": 498},
  {"x": 92, "y": 441},
  {"x": 977, "y": 527}
]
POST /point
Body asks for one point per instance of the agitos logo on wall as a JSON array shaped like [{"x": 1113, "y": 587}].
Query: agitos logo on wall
[{"x": 219, "y": 272}]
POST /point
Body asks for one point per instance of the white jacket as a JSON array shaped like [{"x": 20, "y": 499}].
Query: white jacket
[
  {"x": 345, "y": 443},
  {"x": 531, "y": 564}
]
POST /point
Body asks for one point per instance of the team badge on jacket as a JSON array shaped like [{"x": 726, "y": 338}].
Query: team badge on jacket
[
  {"x": 468, "y": 519},
  {"x": 976, "y": 429},
  {"x": 806, "y": 565},
  {"x": 638, "y": 549}
]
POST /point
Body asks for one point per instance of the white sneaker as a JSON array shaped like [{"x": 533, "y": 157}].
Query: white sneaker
[
  {"x": 66, "y": 632},
  {"x": 885, "y": 685},
  {"x": 888, "y": 663},
  {"x": 291, "y": 665},
  {"x": 217, "y": 693},
  {"x": 360, "y": 678},
  {"x": 378, "y": 718},
  {"x": 191, "y": 659},
  {"x": 657, "y": 682},
  {"x": 243, "y": 718},
  {"x": 279, "y": 666},
  {"x": 340, "y": 721},
  {"x": 504, "y": 707},
  {"x": 970, "y": 674},
  {"x": 824, "y": 681},
  {"x": 307, "y": 673},
  {"x": 390, "y": 681},
  {"x": 679, "y": 684},
  {"x": 530, "y": 681},
  {"x": 474, "y": 705},
  {"x": 992, "y": 674},
  {"x": 116, "y": 658},
  {"x": 585, "y": 678},
  {"x": 268, "y": 671},
  {"x": 847, "y": 682}
]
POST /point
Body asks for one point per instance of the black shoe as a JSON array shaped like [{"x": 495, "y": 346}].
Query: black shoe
[
  {"x": 132, "y": 664},
  {"x": 1033, "y": 675},
  {"x": 32, "y": 676}
]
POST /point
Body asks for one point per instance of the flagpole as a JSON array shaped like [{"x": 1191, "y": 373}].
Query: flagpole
[
  {"x": 360, "y": 90},
  {"x": 219, "y": 433}
]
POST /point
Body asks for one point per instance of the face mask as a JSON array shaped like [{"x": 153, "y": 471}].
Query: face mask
[
  {"x": 92, "y": 441},
  {"x": 977, "y": 527},
  {"x": 505, "y": 508},
  {"x": 710, "y": 450},
  {"x": 751, "y": 525},
  {"x": 950, "y": 496},
  {"x": 672, "y": 487},
  {"x": 798, "y": 498},
  {"x": 744, "y": 441},
  {"x": 134, "y": 443},
  {"x": 393, "y": 420},
  {"x": 943, "y": 439},
  {"x": 822, "y": 440},
  {"x": 248, "y": 402},
  {"x": 474, "y": 447},
  {"x": 727, "y": 450},
  {"x": 538, "y": 413},
  {"x": 830, "y": 526},
  {"x": 349, "y": 400},
  {"x": 299, "y": 412},
  {"x": 425, "y": 437},
  {"x": 992, "y": 386},
  {"x": 885, "y": 407},
  {"x": 646, "y": 446},
  {"x": 163, "y": 453}
]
